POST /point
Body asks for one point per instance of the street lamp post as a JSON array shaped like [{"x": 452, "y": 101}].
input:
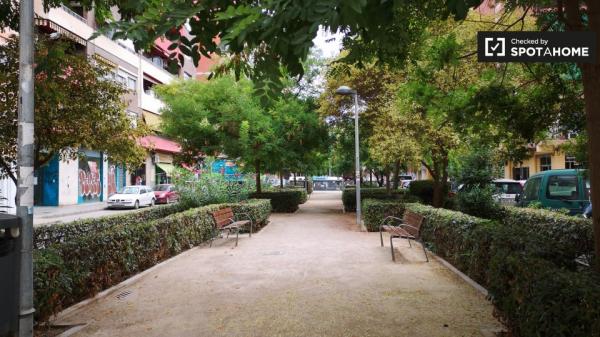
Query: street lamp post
[{"x": 344, "y": 90}]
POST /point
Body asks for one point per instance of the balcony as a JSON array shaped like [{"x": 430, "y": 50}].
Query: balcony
[{"x": 151, "y": 103}]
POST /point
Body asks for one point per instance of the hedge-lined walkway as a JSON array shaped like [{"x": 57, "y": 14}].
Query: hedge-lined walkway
[{"x": 310, "y": 273}]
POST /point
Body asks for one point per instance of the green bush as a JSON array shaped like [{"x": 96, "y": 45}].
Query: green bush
[
  {"x": 423, "y": 189},
  {"x": 574, "y": 235},
  {"x": 283, "y": 201},
  {"x": 78, "y": 268},
  {"x": 349, "y": 196},
  {"x": 478, "y": 201},
  {"x": 533, "y": 279},
  {"x": 374, "y": 211},
  {"x": 44, "y": 236}
]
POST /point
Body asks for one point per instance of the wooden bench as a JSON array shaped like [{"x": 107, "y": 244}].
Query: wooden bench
[
  {"x": 409, "y": 227},
  {"x": 225, "y": 220}
]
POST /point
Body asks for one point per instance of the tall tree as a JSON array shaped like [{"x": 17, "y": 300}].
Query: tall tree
[
  {"x": 219, "y": 117},
  {"x": 75, "y": 107}
]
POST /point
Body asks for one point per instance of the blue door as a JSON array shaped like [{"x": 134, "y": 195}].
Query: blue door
[{"x": 48, "y": 178}]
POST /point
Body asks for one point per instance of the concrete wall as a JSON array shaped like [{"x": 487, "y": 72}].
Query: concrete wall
[{"x": 150, "y": 171}]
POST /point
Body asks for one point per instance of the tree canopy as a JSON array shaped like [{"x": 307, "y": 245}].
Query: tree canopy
[{"x": 76, "y": 107}]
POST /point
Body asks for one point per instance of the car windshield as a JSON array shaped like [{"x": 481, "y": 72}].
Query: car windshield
[
  {"x": 508, "y": 188},
  {"x": 161, "y": 187},
  {"x": 130, "y": 190}
]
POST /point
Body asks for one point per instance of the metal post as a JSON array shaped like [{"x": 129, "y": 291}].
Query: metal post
[
  {"x": 25, "y": 167},
  {"x": 357, "y": 161}
]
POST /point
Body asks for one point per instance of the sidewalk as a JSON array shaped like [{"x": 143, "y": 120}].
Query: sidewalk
[
  {"x": 310, "y": 273},
  {"x": 46, "y": 215}
]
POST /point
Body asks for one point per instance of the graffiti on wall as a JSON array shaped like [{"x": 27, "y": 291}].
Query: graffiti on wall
[{"x": 90, "y": 184}]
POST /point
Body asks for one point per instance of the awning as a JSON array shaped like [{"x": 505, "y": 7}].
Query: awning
[
  {"x": 152, "y": 120},
  {"x": 168, "y": 168},
  {"x": 50, "y": 26},
  {"x": 160, "y": 144}
]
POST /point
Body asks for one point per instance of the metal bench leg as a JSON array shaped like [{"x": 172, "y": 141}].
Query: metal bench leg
[
  {"x": 424, "y": 250},
  {"x": 409, "y": 244},
  {"x": 392, "y": 247},
  {"x": 381, "y": 235}
]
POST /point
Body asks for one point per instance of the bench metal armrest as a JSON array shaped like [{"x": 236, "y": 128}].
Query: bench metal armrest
[{"x": 248, "y": 216}]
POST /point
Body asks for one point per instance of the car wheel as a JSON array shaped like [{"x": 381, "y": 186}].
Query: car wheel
[{"x": 136, "y": 205}]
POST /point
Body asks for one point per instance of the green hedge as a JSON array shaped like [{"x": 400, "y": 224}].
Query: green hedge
[
  {"x": 349, "y": 196},
  {"x": 423, "y": 189},
  {"x": 574, "y": 235},
  {"x": 283, "y": 201},
  {"x": 374, "y": 211},
  {"x": 78, "y": 268},
  {"x": 532, "y": 278},
  {"x": 44, "y": 236}
]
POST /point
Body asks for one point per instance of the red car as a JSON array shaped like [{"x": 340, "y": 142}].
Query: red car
[{"x": 165, "y": 194}]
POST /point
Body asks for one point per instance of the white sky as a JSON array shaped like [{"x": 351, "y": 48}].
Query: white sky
[{"x": 329, "y": 49}]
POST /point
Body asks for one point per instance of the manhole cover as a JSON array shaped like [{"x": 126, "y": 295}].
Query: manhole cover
[
  {"x": 274, "y": 253},
  {"x": 124, "y": 294}
]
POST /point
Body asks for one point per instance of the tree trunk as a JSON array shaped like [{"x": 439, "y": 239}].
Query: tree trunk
[
  {"x": 396, "y": 175},
  {"x": 370, "y": 177},
  {"x": 294, "y": 179},
  {"x": 257, "y": 170},
  {"x": 591, "y": 93},
  {"x": 438, "y": 194},
  {"x": 388, "y": 185},
  {"x": 280, "y": 179}
]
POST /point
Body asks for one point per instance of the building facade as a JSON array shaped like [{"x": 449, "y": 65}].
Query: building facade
[
  {"x": 546, "y": 155},
  {"x": 94, "y": 178}
]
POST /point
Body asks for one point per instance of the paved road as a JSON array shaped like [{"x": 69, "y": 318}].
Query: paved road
[{"x": 311, "y": 273}]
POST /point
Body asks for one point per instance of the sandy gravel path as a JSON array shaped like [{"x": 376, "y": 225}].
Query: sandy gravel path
[{"x": 311, "y": 273}]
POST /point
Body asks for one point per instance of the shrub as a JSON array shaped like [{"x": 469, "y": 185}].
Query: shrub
[
  {"x": 78, "y": 268},
  {"x": 210, "y": 188},
  {"x": 478, "y": 201},
  {"x": 573, "y": 235},
  {"x": 532, "y": 278},
  {"x": 283, "y": 201},
  {"x": 349, "y": 196},
  {"x": 423, "y": 189},
  {"x": 374, "y": 211},
  {"x": 44, "y": 236},
  {"x": 456, "y": 237}
]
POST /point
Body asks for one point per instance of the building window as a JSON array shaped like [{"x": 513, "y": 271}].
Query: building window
[
  {"x": 545, "y": 163},
  {"x": 570, "y": 162},
  {"x": 131, "y": 82},
  {"x": 520, "y": 173}
]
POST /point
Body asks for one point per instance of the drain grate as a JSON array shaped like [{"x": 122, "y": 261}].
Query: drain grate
[{"x": 124, "y": 294}]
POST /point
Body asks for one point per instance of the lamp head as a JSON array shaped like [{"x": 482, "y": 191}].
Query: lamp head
[{"x": 345, "y": 90}]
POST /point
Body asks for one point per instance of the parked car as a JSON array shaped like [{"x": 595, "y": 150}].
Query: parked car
[
  {"x": 588, "y": 212},
  {"x": 558, "y": 189},
  {"x": 507, "y": 191},
  {"x": 405, "y": 180},
  {"x": 165, "y": 194},
  {"x": 132, "y": 197}
]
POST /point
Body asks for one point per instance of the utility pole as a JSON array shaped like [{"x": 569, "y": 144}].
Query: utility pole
[{"x": 25, "y": 167}]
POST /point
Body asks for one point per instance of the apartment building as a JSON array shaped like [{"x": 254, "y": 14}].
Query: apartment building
[
  {"x": 545, "y": 155},
  {"x": 94, "y": 178}
]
